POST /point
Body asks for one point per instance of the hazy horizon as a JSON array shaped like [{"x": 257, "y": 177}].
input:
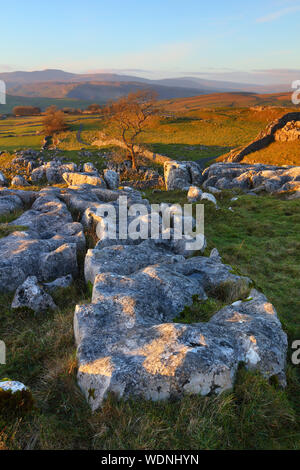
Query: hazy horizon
[{"x": 246, "y": 42}]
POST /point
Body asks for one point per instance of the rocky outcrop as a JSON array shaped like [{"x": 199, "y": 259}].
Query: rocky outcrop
[
  {"x": 59, "y": 283},
  {"x": 51, "y": 172},
  {"x": 127, "y": 343},
  {"x": 194, "y": 194},
  {"x": 104, "y": 141},
  {"x": 127, "y": 340},
  {"x": 255, "y": 178},
  {"x": 284, "y": 128},
  {"x": 112, "y": 179},
  {"x": 19, "y": 180},
  {"x": 10, "y": 203}
]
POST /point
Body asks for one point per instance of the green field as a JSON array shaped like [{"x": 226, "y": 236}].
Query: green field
[
  {"x": 185, "y": 135},
  {"x": 259, "y": 238},
  {"x": 41, "y": 102}
]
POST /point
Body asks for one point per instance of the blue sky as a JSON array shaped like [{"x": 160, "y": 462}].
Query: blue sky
[{"x": 217, "y": 39}]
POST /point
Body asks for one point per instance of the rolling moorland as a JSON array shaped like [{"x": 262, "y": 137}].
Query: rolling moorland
[{"x": 258, "y": 237}]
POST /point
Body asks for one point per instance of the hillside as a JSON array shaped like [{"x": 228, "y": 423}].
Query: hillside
[
  {"x": 80, "y": 95},
  {"x": 235, "y": 99},
  {"x": 96, "y": 90}
]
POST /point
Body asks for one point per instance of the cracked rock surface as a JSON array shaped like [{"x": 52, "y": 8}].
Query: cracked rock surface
[{"x": 256, "y": 177}]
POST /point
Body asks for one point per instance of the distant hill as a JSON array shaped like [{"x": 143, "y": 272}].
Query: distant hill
[
  {"x": 97, "y": 91},
  {"x": 50, "y": 82}
]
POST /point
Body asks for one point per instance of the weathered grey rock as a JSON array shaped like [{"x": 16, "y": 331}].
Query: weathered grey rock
[
  {"x": 124, "y": 348},
  {"x": 129, "y": 303},
  {"x": 19, "y": 180},
  {"x": 81, "y": 198},
  {"x": 12, "y": 386},
  {"x": 59, "y": 283},
  {"x": 180, "y": 175},
  {"x": 53, "y": 176},
  {"x": 46, "y": 215},
  {"x": 54, "y": 171},
  {"x": 194, "y": 194},
  {"x": 196, "y": 172},
  {"x": 284, "y": 128},
  {"x": 289, "y": 133},
  {"x": 89, "y": 167},
  {"x": 209, "y": 197},
  {"x": 27, "y": 197},
  {"x": 215, "y": 254},
  {"x": 84, "y": 178},
  {"x": 9, "y": 204},
  {"x": 213, "y": 190},
  {"x": 38, "y": 174},
  {"x": 59, "y": 262},
  {"x": 31, "y": 295},
  {"x": 125, "y": 259},
  {"x": 112, "y": 179},
  {"x": 258, "y": 177},
  {"x": 47, "y": 248}
]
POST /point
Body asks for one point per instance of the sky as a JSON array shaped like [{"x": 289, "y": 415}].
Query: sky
[{"x": 247, "y": 41}]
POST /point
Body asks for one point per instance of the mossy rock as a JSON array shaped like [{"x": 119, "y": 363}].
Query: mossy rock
[{"x": 18, "y": 402}]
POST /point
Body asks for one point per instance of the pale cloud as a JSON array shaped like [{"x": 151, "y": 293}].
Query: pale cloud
[{"x": 278, "y": 14}]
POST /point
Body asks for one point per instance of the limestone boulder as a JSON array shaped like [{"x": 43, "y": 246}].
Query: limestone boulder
[
  {"x": 10, "y": 203},
  {"x": 139, "y": 356},
  {"x": 31, "y": 295},
  {"x": 59, "y": 283},
  {"x": 19, "y": 180},
  {"x": 3, "y": 179}
]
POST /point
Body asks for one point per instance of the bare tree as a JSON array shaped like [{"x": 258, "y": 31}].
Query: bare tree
[
  {"x": 128, "y": 117},
  {"x": 54, "y": 120}
]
